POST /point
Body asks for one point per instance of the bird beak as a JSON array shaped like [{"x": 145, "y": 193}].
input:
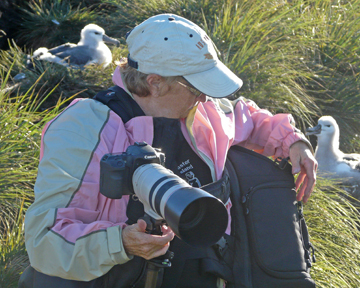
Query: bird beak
[
  {"x": 313, "y": 130},
  {"x": 108, "y": 39}
]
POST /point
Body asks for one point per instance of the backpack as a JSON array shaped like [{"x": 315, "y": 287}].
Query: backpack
[
  {"x": 271, "y": 237},
  {"x": 270, "y": 245}
]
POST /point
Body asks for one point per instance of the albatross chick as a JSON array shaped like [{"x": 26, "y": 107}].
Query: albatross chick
[
  {"x": 333, "y": 163},
  {"x": 90, "y": 49}
]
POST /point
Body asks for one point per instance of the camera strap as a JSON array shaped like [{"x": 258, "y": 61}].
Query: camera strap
[{"x": 221, "y": 188}]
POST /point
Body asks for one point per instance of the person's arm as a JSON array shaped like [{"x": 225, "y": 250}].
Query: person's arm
[
  {"x": 71, "y": 230},
  {"x": 66, "y": 234},
  {"x": 271, "y": 135},
  {"x": 277, "y": 136}
]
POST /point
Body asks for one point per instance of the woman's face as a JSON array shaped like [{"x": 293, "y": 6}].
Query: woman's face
[
  {"x": 167, "y": 99},
  {"x": 178, "y": 99}
]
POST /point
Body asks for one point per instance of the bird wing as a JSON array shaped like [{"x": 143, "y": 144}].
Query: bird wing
[
  {"x": 352, "y": 157},
  {"x": 353, "y": 160},
  {"x": 78, "y": 55},
  {"x": 61, "y": 48}
]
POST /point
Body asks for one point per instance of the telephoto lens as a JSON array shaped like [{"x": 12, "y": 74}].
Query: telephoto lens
[{"x": 195, "y": 216}]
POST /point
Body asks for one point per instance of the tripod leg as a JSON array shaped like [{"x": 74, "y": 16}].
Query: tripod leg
[{"x": 152, "y": 273}]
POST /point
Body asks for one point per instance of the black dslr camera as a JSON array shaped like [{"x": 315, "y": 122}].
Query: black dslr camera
[
  {"x": 190, "y": 212},
  {"x": 117, "y": 169}
]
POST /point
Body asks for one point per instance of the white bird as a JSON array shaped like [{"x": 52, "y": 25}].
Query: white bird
[
  {"x": 90, "y": 49},
  {"x": 332, "y": 162}
]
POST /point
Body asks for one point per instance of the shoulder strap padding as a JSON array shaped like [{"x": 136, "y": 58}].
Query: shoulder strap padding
[{"x": 119, "y": 101}]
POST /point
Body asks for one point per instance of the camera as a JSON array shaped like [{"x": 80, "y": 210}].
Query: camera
[
  {"x": 195, "y": 216},
  {"x": 116, "y": 169}
]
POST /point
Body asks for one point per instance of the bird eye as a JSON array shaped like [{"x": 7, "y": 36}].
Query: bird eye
[
  {"x": 97, "y": 33},
  {"x": 327, "y": 125}
]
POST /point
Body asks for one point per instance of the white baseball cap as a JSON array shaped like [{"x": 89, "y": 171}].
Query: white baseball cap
[{"x": 170, "y": 45}]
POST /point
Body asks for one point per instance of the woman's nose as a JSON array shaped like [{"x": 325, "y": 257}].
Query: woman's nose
[{"x": 202, "y": 98}]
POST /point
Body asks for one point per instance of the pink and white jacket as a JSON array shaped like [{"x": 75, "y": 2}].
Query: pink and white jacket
[{"x": 74, "y": 232}]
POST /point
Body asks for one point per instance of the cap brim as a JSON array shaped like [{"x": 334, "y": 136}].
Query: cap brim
[{"x": 217, "y": 82}]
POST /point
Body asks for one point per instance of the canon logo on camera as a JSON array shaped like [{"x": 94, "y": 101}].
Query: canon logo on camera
[{"x": 149, "y": 156}]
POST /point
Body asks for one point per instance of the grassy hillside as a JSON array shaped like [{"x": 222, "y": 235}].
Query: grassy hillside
[{"x": 293, "y": 56}]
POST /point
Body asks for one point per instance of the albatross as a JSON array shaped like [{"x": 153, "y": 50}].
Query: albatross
[
  {"x": 332, "y": 162},
  {"x": 90, "y": 49}
]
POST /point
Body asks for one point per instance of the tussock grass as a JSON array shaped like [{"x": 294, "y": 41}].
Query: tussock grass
[
  {"x": 257, "y": 41},
  {"x": 21, "y": 126},
  {"x": 13, "y": 257},
  {"x": 20, "y": 135},
  {"x": 335, "y": 82},
  {"x": 52, "y": 23},
  {"x": 334, "y": 225}
]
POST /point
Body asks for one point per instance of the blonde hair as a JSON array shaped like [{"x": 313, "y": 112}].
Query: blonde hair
[{"x": 136, "y": 81}]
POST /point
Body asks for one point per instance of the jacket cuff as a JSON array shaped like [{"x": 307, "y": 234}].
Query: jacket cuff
[
  {"x": 115, "y": 244},
  {"x": 291, "y": 139}
]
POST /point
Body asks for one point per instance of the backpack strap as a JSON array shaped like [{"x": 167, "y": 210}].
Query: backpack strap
[
  {"x": 308, "y": 247},
  {"x": 119, "y": 101}
]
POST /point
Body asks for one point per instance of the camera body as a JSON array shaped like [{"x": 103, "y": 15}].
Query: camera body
[{"x": 117, "y": 169}]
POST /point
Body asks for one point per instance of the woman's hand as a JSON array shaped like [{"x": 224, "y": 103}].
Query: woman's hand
[
  {"x": 148, "y": 246},
  {"x": 303, "y": 161}
]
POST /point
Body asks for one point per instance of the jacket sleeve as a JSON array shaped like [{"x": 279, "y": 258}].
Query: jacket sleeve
[
  {"x": 71, "y": 230},
  {"x": 258, "y": 129}
]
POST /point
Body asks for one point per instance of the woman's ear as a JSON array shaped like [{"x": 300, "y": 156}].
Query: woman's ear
[{"x": 154, "y": 81}]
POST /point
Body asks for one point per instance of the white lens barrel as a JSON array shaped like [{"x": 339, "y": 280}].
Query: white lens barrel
[
  {"x": 194, "y": 215},
  {"x": 149, "y": 178}
]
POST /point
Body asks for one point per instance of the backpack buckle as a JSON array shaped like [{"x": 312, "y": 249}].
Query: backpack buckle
[
  {"x": 282, "y": 162},
  {"x": 220, "y": 247}
]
